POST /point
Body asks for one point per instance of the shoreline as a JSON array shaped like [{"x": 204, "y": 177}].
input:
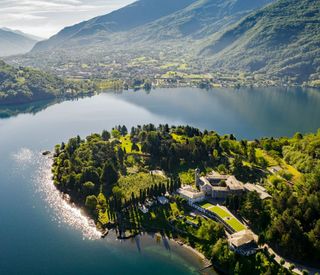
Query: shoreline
[{"x": 190, "y": 248}]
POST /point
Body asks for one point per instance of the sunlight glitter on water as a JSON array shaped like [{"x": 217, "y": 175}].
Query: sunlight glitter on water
[{"x": 62, "y": 210}]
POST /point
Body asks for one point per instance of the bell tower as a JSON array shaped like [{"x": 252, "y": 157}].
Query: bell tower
[{"x": 197, "y": 176}]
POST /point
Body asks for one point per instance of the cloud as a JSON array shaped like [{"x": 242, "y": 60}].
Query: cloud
[{"x": 46, "y": 17}]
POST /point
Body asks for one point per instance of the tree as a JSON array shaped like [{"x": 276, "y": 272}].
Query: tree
[
  {"x": 237, "y": 167},
  {"x": 135, "y": 147},
  {"x": 88, "y": 187},
  {"x": 120, "y": 155},
  {"x": 252, "y": 154},
  {"x": 109, "y": 176},
  {"x": 105, "y": 135},
  {"x": 91, "y": 202},
  {"x": 115, "y": 133},
  {"x": 223, "y": 256},
  {"x": 124, "y": 130}
]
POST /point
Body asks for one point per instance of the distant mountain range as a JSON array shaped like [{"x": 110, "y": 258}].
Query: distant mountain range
[
  {"x": 279, "y": 38},
  {"x": 154, "y": 21},
  {"x": 14, "y": 42}
]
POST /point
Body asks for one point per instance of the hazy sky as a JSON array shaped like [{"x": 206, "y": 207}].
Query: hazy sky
[{"x": 46, "y": 17}]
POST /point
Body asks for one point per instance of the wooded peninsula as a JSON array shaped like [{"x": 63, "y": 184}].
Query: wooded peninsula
[{"x": 230, "y": 199}]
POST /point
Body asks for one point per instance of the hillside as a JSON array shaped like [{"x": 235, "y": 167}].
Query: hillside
[
  {"x": 198, "y": 20},
  {"x": 15, "y": 42},
  {"x": 281, "y": 39},
  {"x": 152, "y": 20},
  {"x": 23, "y": 85},
  {"x": 99, "y": 29}
]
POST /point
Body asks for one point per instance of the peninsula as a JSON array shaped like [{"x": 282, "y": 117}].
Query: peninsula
[{"x": 234, "y": 201}]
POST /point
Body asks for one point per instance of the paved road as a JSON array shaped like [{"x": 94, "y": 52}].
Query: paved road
[{"x": 298, "y": 267}]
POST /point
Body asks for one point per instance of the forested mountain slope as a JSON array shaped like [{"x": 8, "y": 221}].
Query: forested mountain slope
[{"x": 281, "y": 39}]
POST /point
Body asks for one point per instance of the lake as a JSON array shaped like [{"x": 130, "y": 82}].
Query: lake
[{"x": 41, "y": 234}]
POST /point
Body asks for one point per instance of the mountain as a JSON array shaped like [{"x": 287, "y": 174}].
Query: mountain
[
  {"x": 276, "y": 39},
  {"x": 24, "y": 85},
  {"x": 33, "y": 37},
  {"x": 199, "y": 19},
  {"x": 282, "y": 39},
  {"x": 122, "y": 20},
  {"x": 152, "y": 20},
  {"x": 14, "y": 42}
]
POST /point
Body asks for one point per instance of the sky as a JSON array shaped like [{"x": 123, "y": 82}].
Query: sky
[{"x": 46, "y": 17}]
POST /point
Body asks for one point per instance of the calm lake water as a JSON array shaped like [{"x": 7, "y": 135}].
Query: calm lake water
[{"x": 40, "y": 234}]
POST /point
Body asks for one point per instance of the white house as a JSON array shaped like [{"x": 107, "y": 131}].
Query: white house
[{"x": 190, "y": 194}]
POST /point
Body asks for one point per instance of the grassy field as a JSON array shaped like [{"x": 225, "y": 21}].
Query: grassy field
[
  {"x": 219, "y": 212},
  {"x": 235, "y": 224}
]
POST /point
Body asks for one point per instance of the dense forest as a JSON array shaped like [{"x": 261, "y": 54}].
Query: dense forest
[
  {"x": 291, "y": 220},
  {"x": 110, "y": 175},
  {"x": 23, "y": 85}
]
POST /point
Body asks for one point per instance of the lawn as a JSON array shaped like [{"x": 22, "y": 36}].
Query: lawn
[
  {"x": 235, "y": 224},
  {"x": 219, "y": 212},
  {"x": 215, "y": 209},
  {"x": 206, "y": 205},
  {"x": 126, "y": 144},
  {"x": 228, "y": 218}
]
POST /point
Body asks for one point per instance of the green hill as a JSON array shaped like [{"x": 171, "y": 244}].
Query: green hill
[
  {"x": 280, "y": 40},
  {"x": 23, "y": 85}
]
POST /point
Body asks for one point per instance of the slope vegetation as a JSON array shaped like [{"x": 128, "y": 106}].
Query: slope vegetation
[
  {"x": 281, "y": 39},
  {"x": 23, "y": 85}
]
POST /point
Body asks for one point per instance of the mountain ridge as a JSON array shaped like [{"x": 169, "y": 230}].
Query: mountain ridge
[
  {"x": 13, "y": 42},
  {"x": 282, "y": 38},
  {"x": 182, "y": 19}
]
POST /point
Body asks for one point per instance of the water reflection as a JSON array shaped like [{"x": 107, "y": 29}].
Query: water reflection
[
  {"x": 62, "y": 211},
  {"x": 30, "y": 108}
]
